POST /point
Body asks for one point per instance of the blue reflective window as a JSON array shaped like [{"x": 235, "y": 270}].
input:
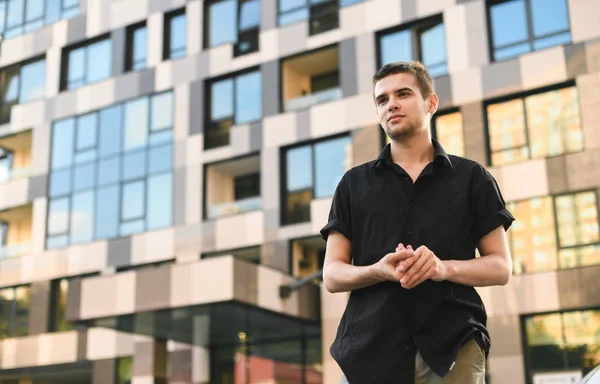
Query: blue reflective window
[
  {"x": 299, "y": 168},
  {"x": 424, "y": 41},
  {"x": 89, "y": 64},
  {"x": 248, "y": 98},
  {"x": 136, "y": 124},
  {"x": 134, "y": 165},
  {"x": 60, "y": 182},
  {"x": 33, "y": 81},
  {"x": 520, "y": 26},
  {"x": 107, "y": 212},
  {"x": 86, "y": 131},
  {"x": 332, "y": 159},
  {"x": 133, "y": 201},
  {"x": 76, "y": 68},
  {"x": 3, "y": 15},
  {"x": 177, "y": 36},
  {"x": 222, "y": 22},
  {"x": 82, "y": 217},
  {"x": 84, "y": 177},
  {"x": 111, "y": 122},
  {"x": 161, "y": 159},
  {"x": 249, "y": 15},
  {"x": 34, "y": 15},
  {"x": 140, "y": 48},
  {"x": 58, "y": 216},
  {"x": 22, "y": 16},
  {"x": 109, "y": 171},
  {"x": 222, "y": 99},
  {"x": 159, "y": 204},
  {"x": 162, "y": 112},
  {"x": 63, "y": 140}
]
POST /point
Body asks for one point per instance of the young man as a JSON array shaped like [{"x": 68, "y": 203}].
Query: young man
[{"x": 401, "y": 236}]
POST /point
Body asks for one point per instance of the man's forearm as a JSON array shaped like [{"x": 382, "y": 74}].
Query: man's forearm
[
  {"x": 342, "y": 277},
  {"x": 480, "y": 272}
]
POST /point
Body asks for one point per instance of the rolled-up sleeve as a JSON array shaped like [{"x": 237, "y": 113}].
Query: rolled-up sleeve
[
  {"x": 340, "y": 219},
  {"x": 489, "y": 205}
]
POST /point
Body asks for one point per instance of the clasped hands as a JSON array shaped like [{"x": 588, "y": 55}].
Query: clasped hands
[{"x": 410, "y": 267}]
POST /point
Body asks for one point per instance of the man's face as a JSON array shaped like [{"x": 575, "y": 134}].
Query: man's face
[{"x": 400, "y": 106}]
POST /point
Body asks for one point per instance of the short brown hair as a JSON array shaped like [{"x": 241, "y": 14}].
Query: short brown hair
[{"x": 415, "y": 67}]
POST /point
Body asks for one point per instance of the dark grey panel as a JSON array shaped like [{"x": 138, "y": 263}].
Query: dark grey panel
[
  {"x": 270, "y": 87},
  {"x": 505, "y": 332},
  {"x": 179, "y": 184},
  {"x": 181, "y": 366},
  {"x": 276, "y": 254},
  {"x": 76, "y": 29},
  {"x": 576, "y": 60},
  {"x": 148, "y": 294},
  {"x": 39, "y": 308},
  {"x": 118, "y": 48},
  {"x": 43, "y": 40},
  {"x": 256, "y": 136},
  {"x": 208, "y": 236},
  {"x": 73, "y": 300},
  {"x": 119, "y": 252},
  {"x": 196, "y": 107},
  {"x": 579, "y": 288},
  {"x": 443, "y": 88},
  {"x": 146, "y": 81},
  {"x": 558, "y": 181},
  {"x": 104, "y": 371},
  {"x": 347, "y": 63},
  {"x": 501, "y": 78},
  {"x": 303, "y": 124},
  {"x": 268, "y": 14},
  {"x": 38, "y": 187},
  {"x": 474, "y": 132},
  {"x": 82, "y": 345},
  {"x": 409, "y": 9},
  {"x": 245, "y": 287}
]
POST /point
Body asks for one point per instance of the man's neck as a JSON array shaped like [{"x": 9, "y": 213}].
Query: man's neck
[{"x": 416, "y": 150}]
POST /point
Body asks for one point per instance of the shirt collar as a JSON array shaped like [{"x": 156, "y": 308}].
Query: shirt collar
[{"x": 386, "y": 157}]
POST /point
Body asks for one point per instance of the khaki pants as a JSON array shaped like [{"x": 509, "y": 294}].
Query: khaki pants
[{"x": 469, "y": 368}]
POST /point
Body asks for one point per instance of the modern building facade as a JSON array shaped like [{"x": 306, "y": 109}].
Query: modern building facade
[{"x": 166, "y": 166}]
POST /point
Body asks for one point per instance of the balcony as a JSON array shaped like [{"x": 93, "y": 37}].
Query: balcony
[
  {"x": 15, "y": 156},
  {"x": 311, "y": 79},
  {"x": 15, "y": 231},
  {"x": 308, "y": 255},
  {"x": 233, "y": 187}
]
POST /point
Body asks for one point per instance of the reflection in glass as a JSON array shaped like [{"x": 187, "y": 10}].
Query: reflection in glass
[
  {"x": 136, "y": 123},
  {"x": 86, "y": 131},
  {"x": 248, "y": 98},
  {"x": 134, "y": 165},
  {"x": 508, "y": 140},
  {"x": 140, "y": 48},
  {"x": 449, "y": 132},
  {"x": 58, "y": 216},
  {"x": 133, "y": 201},
  {"x": 177, "y": 37},
  {"x": 110, "y": 131},
  {"x": 332, "y": 159},
  {"x": 222, "y": 99},
  {"x": 396, "y": 47},
  {"x": 160, "y": 189},
  {"x": 84, "y": 177},
  {"x": 223, "y": 20},
  {"x": 63, "y": 141},
  {"x": 99, "y": 61},
  {"x": 577, "y": 217},
  {"x": 107, "y": 212},
  {"x": 76, "y": 68},
  {"x": 162, "y": 111},
  {"x": 299, "y": 168},
  {"x": 509, "y": 23},
  {"x": 82, "y": 217},
  {"x": 60, "y": 182},
  {"x": 433, "y": 50},
  {"x": 33, "y": 81}
]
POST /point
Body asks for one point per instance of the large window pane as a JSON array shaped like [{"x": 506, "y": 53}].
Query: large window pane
[
  {"x": 449, "y": 132},
  {"x": 178, "y": 36},
  {"x": 86, "y": 131},
  {"x": 140, "y": 48},
  {"x": 16, "y": 13},
  {"x": 549, "y": 16},
  {"x": 509, "y": 23},
  {"x": 532, "y": 239},
  {"x": 396, "y": 47},
  {"x": 332, "y": 159},
  {"x": 107, "y": 212},
  {"x": 160, "y": 201},
  {"x": 221, "y": 99},
  {"x": 223, "y": 20},
  {"x": 33, "y": 81},
  {"x": 109, "y": 171},
  {"x": 110, "y": 131},
  {"x": 577, "y": 217},
  {"x": 76, "y": 68},
  {"x": 162, "y": 111},
  {"x": 249, "y": 14},
  {"x": 136, "y": 123},
  {"x": 63, "y": 140},
  {"x": 52, "y": 11},
  {"x": 134, "y": 165},
  {"x": 553, "y": 123},
  {"x": 58, "y": 216},
  {"x": 10, "y": 88},
  {"x": 84, "y": 177},
  {"x": 133, "y": 201},
  {"x": 60, "y": 182},
  {"x": 99, "y": 61},
  {"x": 20, "y": 326},
  {"x": 2, "y": 15},
  {"x": 82, "y": 217},
  {"x": 160, "y": 159},
  {"x": 248, "y": 98},
  {"x": 433, "y": 50},
  {"x": 508, "y": 138},
  {"x": 299, "y": 168}
]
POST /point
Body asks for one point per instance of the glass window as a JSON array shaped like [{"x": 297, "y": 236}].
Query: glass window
[
  {"x": 520, "y": 26},
  {"x": 222, "y": 22},
  {"x": 124, "y": 371},
  {"x": 133, "y": 201},
  {"x": 175, "y": 25},
  {"x": 85, "y": 177},
  {"x": 60, "y": 290},
  {"x": 322, "y": 15},
  {"x": 233, "y": 21},
  {"x": 21, "y": 83},
  {"x": 109, "y": 171},
  {"x": 107, "y": 208},
  {"x": 448, "y": 130},
  {"x": 160, "y": 159},
  {"x": 568, "y": 341},
  {"x": 60, "y": 182},
  {"x": 82, "y": 217},
  {"x": 88, "y": 64},
  {"x": 110, "y": 131},
  {"x": 552, "y": 126},
  {"x": 162, "y": 112},
  {"x": 424, "y": 41},
  {"x": 33, "y": 81},
  {"x": 86, "y": 131},
  {"x": 313, "y": 171},
  {"x": 22, "y": 16},
  {"x": 58, "y": 216},
  {"x": 14, "y": 311},
  {"x": 137, "y": 47},
  {"x": 134, "y": 165},
  {"x": 248, "y": 98},
  {"x": 136, "y": 124},
  {"x": 160, "y": 188},
  {"x": 63, "y": 141}
]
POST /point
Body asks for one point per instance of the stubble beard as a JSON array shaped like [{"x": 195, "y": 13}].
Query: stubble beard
[{"x": 410, "y": 130}]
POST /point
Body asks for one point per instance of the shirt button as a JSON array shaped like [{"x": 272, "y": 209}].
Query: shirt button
[
  {"x": 411, "y": 204},
  {"x": 411, "y": 233}
]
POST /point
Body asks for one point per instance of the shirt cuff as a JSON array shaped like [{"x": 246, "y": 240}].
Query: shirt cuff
[
  {"x": 339, "y": 226},
  {"x": 503, "y": 217}
]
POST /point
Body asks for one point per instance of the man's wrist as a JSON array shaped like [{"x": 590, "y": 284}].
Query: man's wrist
[{"x": 449, "y": 270}]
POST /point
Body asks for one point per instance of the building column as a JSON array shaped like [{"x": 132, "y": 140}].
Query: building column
[
  {"x": 39, "y": 309},
  {"x": 149, "y": 362}
]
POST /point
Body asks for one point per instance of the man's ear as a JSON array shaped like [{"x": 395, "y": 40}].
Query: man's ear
[{"x": 434, "y": 101}]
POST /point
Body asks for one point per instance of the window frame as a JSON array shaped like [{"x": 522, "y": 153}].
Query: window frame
[
  {"x": 120, "y": 184},
  {"x": 167, "y": 32},
  {"x": 250, "y": 33},
  {"x": 65, "y": 61},
  {"x": 19, "y": 66},
  {"x": 13, "y": 310},
  {"x": 530, "y": 34},
  {"x": 22, "y": 27},
  {"x": 522, "y": 96},
  {"x": 310, "y": 8},
  {"x": 130, "y": 63},
  {"x": 416, "y": 29},
  {"x": 283, "y": 190}
]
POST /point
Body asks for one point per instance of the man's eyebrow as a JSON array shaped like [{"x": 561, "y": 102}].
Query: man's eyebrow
[{"x": 396, "y": 91}]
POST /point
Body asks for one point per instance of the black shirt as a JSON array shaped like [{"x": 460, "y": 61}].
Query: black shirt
[{"x": 452, "y": 204}]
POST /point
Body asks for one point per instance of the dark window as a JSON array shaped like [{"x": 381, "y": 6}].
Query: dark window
[
  {"x": 19, "y": 84},
  {"x": 543, "y": 124},
  {"x": 233, "y": 21},
  {"x": 175, "y": 42},
  {"x": 312, "y": 172},
  {"x": 322, "y": 15},
  {"x": 14, "y": 311},
  {"x": 447, "y": 128},
  {"x": 424, "y": 40},
  {"x": 22, "y": 16},
  {"x": 86, "y": 64},
  {"x": 111, "y": 172},
  {"x": 247, "y": 186},
  {"x": 136, "y": 47},
  {"x": 324, "y": 81},
  {"x": 234, "y": 100},
  {"x": 520, "y": 26},
  {"x": 6, "y": 163},
  {"x": 124, "y": 370},
  {"x": 562, "y": 341},
  {"x": 59, "y": 291},
  {"x": 250, "y": 254}
]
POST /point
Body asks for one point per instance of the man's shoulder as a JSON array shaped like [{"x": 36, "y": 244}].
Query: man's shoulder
[{"x": 466, "y": 164}]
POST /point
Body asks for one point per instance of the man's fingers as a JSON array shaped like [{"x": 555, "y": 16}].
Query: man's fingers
[
  {"x": 416, "y": 264},
  {"x": 420, "y": 276}
]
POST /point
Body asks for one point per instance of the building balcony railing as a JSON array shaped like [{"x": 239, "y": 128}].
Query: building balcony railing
[
  {"x": 313, "y": 99},
  {"x": 14, "y": 250},
  {"x": 15, "y": 173},
  {"x": 234, "y": 207}
]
